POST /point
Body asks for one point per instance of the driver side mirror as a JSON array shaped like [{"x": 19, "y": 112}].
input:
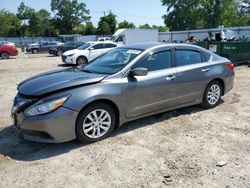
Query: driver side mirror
[
  {"x": 140, "y": 71},
  {"x": 91, "y": 48}
]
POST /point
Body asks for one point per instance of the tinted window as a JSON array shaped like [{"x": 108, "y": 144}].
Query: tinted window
[
  {"x": 156, "y": 61},
  {"x": 187, "y": 57},
  {"x": 206, "y": 56},
  {"x": 98, "y": 46},
  {"x": 109, "y": 45}
]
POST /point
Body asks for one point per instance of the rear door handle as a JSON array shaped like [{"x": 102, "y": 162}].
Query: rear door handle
[
  {"x": 170, "y": 78},
  {"x": 205, "y": 69}
]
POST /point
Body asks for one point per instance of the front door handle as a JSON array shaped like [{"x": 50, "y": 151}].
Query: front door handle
[
  {"x": 170, "y": 78},
  {"x": 205, "y": 69}
]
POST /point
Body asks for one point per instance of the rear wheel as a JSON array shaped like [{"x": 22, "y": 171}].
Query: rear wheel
[
  {"x": 212, "y": 95},
  {"x": 59, "y": 53},
  {"x": 35, "y": 51},
  {"x": 5, "y": 55},
  {"x": 95, "y": 123},
  {"x": 81, "y": 60}
]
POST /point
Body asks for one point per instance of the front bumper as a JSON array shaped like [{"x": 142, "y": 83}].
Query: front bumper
[
  {"x": 55, "y": 127},
  {"x": 68, "y": 59}
]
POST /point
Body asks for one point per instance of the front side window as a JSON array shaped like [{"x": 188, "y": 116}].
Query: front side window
[
  {"x": 156, "y": 61},
  {"x": 187, "y": 57}
]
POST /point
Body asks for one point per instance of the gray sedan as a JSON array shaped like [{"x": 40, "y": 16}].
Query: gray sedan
[{"x": 122, "y": 85}]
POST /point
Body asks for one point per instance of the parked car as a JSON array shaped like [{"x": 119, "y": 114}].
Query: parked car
[
  {"x": 87, "y": 52},
  {"x": 42, "y": 47},
  {"x": 59, "y": 50},
  {"x": 7, "y": 50},
  {"x": 102, "y": 39},
  {"x": 123, "y": 84},
  {"x": 7, "y": 42}
]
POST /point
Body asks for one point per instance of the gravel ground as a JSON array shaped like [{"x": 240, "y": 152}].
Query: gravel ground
[{"x": 190, "y": 147}]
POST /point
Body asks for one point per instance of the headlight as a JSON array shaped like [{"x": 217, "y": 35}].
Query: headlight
[
  {"x": 70, "y": 55},
  {"x": 43, "y": 107}
]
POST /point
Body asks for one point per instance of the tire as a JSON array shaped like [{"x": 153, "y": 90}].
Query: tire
[
  {"x": 5, "y": 55},
  {"x": 34, "y": 51},
  {"x": 59, "y": 53},
  {"x": 212, "y": 95},
  {"x": 81, "y": 60},
  {"x": 87, "y": 130}
]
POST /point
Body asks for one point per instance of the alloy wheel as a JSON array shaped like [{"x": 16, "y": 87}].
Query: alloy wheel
[
  {"x": 213, "y": 95},
  {"x": 97, "y": 123}
]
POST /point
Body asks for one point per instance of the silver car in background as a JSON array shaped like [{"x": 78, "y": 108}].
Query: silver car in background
[{"x": 122, "y": 85}]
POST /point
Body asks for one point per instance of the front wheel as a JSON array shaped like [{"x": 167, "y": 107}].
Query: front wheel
[
  {"x": 81, "y": 60},
  {"x": 5, "y": 55},
  {"x": 212, "y": 95},
  {"x": 95, "y": 123}
]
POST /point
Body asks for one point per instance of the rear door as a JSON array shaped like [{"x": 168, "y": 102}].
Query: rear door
[
  {"x": 193, "y": 70},
  {"x": 156, "y": 91}
]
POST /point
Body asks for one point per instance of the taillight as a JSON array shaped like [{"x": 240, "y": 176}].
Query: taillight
[{"x": 230, "y": 65}]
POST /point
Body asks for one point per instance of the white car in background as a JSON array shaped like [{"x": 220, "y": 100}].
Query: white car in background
[{"x": 87, "y": 52}]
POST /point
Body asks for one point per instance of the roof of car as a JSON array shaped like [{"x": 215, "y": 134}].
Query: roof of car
[
  {"x": 101, "y": 42},
  {"x": 148, "y": 45}
]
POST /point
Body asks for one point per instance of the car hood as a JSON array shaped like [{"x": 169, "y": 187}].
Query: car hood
[{"x": 53, "y": 81}]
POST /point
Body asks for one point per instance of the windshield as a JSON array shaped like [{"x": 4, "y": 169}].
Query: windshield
[
  {"x": 112, "y": 61},
  {"x": 85, "y": 46}
]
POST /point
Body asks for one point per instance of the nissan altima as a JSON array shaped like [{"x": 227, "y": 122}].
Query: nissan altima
[{"x": 122, "y": 85}]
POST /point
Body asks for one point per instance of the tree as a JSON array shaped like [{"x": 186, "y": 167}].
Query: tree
[
  {"x": 182, "y": 14},
  {"x": 69, "y": 14},
  {"x": 195, "y": 14},
  {"x": 107, "y": 24},
  {"x": 145, "y": 26},
  {"x": 10, "y": 24},
  {"x": 103, "y": 28},
  {"x": 125, "y": 24},
  {"x": 160, "y": 28},
  {"x": 89, "y": 29}
]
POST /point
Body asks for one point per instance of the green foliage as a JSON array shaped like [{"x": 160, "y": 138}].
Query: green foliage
[
  {"x": 145, "y": 26},
  {"x": 107, "y": 24},
  {"x": 125, "y": 24},
  {"x": 195, "y": 14},
  {"x": 69, "y": 14},
  {"x": 10, "y": 24},
  {"x": 89, "y": 29}
]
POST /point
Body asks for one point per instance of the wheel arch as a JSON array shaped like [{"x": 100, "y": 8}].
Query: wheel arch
[
  {"x": 221, "y": 81},
  {"x": 111, "y": 103}
]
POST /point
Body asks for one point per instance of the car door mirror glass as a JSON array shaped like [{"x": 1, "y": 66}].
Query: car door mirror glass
[
  {"x": 140, "y": 71},
  {"x": 91, "y": 48}
]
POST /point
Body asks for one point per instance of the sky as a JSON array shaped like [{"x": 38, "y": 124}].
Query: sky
[{"x": 137, "y": 11}]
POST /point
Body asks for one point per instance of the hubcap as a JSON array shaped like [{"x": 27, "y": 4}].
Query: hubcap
[
  {"x": 97, "y": 123},
  {"x": 213, "y": 95}
]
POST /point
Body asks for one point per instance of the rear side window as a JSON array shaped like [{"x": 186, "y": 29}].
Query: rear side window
[
  {"x": 109, "y": 45},
  {"x": 98, "y": 46},
  {"x": 187, "y": 57},
  {"x": 156, "y": 61}
]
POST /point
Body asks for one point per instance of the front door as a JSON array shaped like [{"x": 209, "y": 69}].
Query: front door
[{"x": 156, "y": 91}]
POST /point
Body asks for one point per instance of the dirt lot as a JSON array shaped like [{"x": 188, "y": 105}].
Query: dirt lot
[{"x": 177, "y": 149}]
